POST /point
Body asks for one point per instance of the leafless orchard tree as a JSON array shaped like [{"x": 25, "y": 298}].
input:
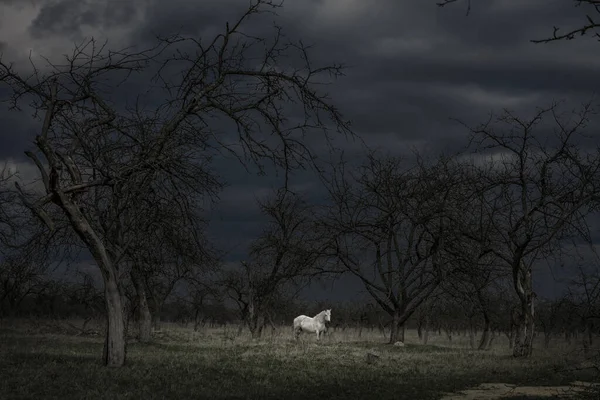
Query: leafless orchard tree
[
  {"x": 544, "y": 186},
  {"x": 584, "y": 294},
  {"x": 590, "y": 10},
  {"x": 90, "y": 150},
  {"x": 168, "y": 246},
  {"x": 447, "y": 312},
  {"x": 391, "y": 227},
  {"x": 548, "y": 316},
  {"x": 478, "y": 270},
  {"x": 199, "y": 295},
  {"x": 162, "y": 271},
  {"x": 285, "y": 254},
  {"x": 87, "y": 302},
  {"x": 19, "y": 278},
  {"x": 28, "y": 253}
]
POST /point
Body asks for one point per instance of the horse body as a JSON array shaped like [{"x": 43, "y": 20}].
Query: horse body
[{"x": 316, "y": 324}]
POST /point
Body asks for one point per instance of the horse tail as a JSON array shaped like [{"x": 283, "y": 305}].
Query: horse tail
[{"x": 296, "y": 327}]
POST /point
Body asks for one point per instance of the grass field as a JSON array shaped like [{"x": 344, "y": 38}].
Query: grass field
[{"x": 36, "y": 362}]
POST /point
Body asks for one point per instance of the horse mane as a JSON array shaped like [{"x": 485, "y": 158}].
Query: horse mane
[{"x": 320, "y": 315}]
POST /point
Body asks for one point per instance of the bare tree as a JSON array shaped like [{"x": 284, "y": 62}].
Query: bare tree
[
  {"x": 19, "y": 278},
  {"x": 197, "y": 296},
  {"x": 548, "y": 316},
  {"x": 28, "y": 254},
  {"x": 390, "y": 226},
  {"x": 584, "y": 294},
  {"x": 284, "y": 255},
  {"x": 545, "y": 185},
  {"x": 170, "y": 246},
  {"x": 447, "y": 312},
  {"x": 18, "y": 275},
  {"x": 89, "y": 144},
  {"x": 590, "y": 10},
  {"x": 479, "y": 271},
  {"x": 86, "y": 298}
]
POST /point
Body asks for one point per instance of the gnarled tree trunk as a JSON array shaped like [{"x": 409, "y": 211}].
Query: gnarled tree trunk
[
  {"x": 114, "y": 345},
  {"x": 397, "y": 329},
  {"x": 523, "y": 346}
]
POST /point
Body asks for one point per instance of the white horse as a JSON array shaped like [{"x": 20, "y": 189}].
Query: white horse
[{"x": 315, "y": 324}]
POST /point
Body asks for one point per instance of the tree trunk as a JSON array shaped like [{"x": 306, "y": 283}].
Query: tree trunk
[
  {"x": 114, "y": 344},
  {"x": 255, "y": 331},
  {"x": 485, "y": 335},
  {"x": 143, "y": 310},
  {"x": 492, "y": 337},
  {"x": 397, "y": 329},
  {"x": 423, "y": 329},
  {"x": 260, "y": 324},
  {"x": 511, "y": 337},
  {"x": 253, "y": 317},
  {"x": 157, "y": 305},
  {"x": 269, "y": 320},
  {"x": 381, "y": 327},
  {"x": 523, "y": 346},
  {"x": 156, "y": 322},
  {"x": 472, "y": 337},
  {"x": 526, "y": 323},
  {"x": 547, "y": 337},
  {"x": 449, "y": 334},
  {"x": 198, "y": 319}
]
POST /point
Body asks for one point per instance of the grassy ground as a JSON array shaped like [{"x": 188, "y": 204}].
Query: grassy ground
[{"x": 36, "y": 363}]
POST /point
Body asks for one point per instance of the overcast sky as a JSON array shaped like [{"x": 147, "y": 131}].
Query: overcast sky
[{"x": 411, "y": 67}]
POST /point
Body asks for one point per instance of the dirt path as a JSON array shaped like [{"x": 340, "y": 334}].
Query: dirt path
[{"x": 487, "y": 391}]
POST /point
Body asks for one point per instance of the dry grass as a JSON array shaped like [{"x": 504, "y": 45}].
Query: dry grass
[{"x": 38, "y": 360}]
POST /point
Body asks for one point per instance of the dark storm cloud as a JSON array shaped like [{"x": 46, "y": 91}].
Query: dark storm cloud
[
  {"x": 507, "y": 77},
  {"x": 410, "y": 64},
  {"x": 66, "y": 17},
  {"x": 187, "y": 17}
]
